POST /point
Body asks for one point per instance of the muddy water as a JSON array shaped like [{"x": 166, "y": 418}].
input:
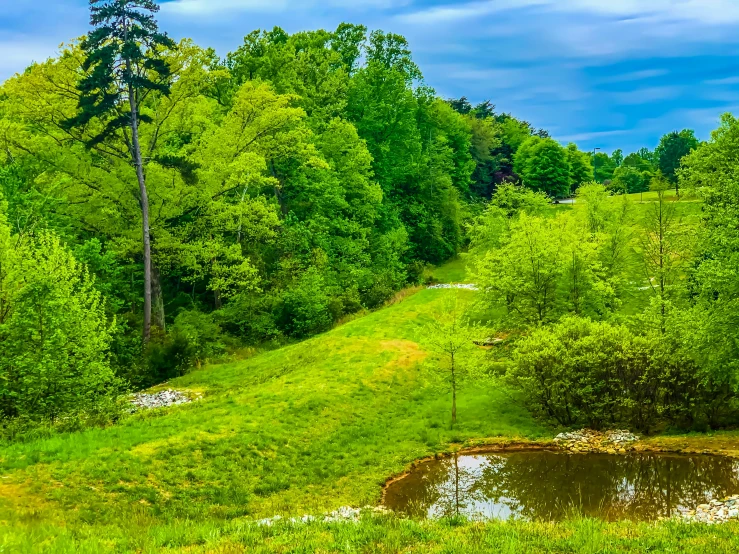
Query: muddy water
[{"x": 545, "y": 485}]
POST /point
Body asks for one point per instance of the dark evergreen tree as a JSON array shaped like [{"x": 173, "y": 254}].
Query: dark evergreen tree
[{"x": 123, "y": 65}]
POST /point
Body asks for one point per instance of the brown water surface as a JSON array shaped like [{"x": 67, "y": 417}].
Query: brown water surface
[{"x": 546, "y": 485}]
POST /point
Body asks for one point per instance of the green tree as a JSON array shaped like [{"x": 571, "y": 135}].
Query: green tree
[
  {"x": 628, "y": 180},
  {"x": 122, "y": 66},
  {"x": 54, "y": 333},
  {"x": 451, "y": 336},
  {"x": 617, "y": 157},
  {"x": 711, "y": 171},
  {"x": 603, "y": 167},
  {"x": 581, "y": 169},
  {"x": 665, "y": 246},
  {"x": 542, "y": 165},
  {"x": 672, "y": 148}
]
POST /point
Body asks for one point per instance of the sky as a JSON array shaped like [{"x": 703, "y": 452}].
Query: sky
[{"x": 601, "y": 73}]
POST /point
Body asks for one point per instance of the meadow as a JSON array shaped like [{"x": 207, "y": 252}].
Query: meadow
[{"x": 304, "y": 429}]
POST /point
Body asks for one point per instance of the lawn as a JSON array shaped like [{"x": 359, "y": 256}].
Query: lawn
[{"x": 304, "y": 429}]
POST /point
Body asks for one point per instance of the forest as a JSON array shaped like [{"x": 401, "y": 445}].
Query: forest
[
  {"x": 231, "y": 223},
  {"x": 297, "y": 181}
]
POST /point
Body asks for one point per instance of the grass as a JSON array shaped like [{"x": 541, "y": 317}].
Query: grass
[{"x": 304, "y": 429}]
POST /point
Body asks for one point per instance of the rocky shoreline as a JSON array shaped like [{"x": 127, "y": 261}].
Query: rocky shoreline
[
  {"x": 587, "y": 440},
  {"x": 340, "y": 515},
  {"x": 463, "y": 286},
  {"x": 716, "y": 511}
]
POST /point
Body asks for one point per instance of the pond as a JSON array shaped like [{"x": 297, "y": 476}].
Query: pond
[{"x": 547, "y": 485}]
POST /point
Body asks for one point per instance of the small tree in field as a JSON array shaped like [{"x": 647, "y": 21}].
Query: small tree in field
[
  {"x": 122, "y": 67},
  {"x": 451, "y": 336}
]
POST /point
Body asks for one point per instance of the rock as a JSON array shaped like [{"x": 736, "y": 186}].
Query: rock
[
  {"x": 161, "y": 399},
  {"x": 340, "y": 515},
  {"x": 717, "y": 511},
  {"x": 587, "y": 440},
  {"x": 464, "y": 286}
]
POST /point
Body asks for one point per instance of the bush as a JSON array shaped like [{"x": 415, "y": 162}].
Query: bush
[
  {"x": 54, "y": 335},
  {"x": 203, "y": 334},
  {"x": 305, "y": 308},
  {"x": 580, "y": 372}
]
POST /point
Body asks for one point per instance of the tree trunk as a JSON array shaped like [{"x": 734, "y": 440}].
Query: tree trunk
[
  {"x": 144, "y": 202},
  {"x": 157, "y": 298},
  {"x": 454, "y": 394}
]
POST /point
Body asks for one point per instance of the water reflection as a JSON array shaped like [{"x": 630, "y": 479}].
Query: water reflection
[{"x": 554, "y": 485}]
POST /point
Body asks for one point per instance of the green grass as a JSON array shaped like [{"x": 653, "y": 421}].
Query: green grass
[
  {"x": 383, "y": 535},
  {"x": 304, "y": 429},
  {"x": 454, "y": 271}
]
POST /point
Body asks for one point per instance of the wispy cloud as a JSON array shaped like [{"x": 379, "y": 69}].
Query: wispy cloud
[
  {"x": 635, "y": 76},
  {"x": 592, "y": 136},
  {"x": 202, "y": 8},
  {"x": 646, "y": 95},
  {"x": 720, "y": 82},
  {"x": 713, "y": 12}
]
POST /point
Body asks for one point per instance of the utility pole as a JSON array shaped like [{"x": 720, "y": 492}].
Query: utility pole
[{"x": 595, "y": 165}]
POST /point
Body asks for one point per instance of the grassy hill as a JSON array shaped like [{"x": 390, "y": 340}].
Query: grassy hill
[{"x": 304, "y": 429}]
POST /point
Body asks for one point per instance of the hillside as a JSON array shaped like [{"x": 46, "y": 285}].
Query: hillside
[{"x": 303, "y": 429}]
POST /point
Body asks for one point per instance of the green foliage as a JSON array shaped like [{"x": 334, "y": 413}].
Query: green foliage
[
  {"x": 628, "y": 179},
  {"x": 672, "y": 148},
  {"x": 54, "y": 332},
  {"x": 603, "y": 167},
  {"x": 451, "y": 337},
  {"x": 581, "y": 372},
  {"x": 543, "y": 268},
  {"x": 543, "y": 166},
  {"x": 581, "y": 168}
]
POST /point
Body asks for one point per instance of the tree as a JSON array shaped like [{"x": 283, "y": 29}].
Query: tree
[
  {"x": 54, "y": 333},
  {"x": 628, "y": 180},
  {"x": 603, "y": 167},
  {"x": 451, "y": 336},
  {"x": 123, "y": 65},
  {"x": 581, "y": 169},
  {"x": 672, "y": 148},
  {"x": 543, "y": 166},
  {"x": 664, "y": 245},
  {"x": 711, "y": 171},
  {"x": 617, "y": 157},
  {"x": 525, "y": 272}
]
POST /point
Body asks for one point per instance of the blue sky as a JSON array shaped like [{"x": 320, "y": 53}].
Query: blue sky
[{"x": 602, "y": 73}]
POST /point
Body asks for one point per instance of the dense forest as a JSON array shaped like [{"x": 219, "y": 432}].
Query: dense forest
[{"x": 303, "y": 178}]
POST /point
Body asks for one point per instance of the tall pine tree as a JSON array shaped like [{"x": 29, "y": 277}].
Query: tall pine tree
[{"x": 122, "y": 67}]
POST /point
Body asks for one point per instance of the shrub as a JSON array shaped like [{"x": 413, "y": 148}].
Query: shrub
[
  {"x": 581, "y": 372},
  {"x": 54, "y": 335}
]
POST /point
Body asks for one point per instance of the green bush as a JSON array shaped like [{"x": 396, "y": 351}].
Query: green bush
[
  {"x": 581, "y": 372},
  {"x": 54, "y": 334}
]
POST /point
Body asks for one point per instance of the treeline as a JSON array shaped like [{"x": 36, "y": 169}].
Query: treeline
[
  {"x": 625, "y": 311},
  {"x": 301, "y": 178}
]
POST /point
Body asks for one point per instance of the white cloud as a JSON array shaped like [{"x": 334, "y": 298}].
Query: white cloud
[
  {"x": 713, "y": 12},
  {"x": 202, "y": 8},
  {"x": 720, "y": 82},
  {"x": 646, "y": 95},
  {"x": 635, "y": 76},
  {"x": 592, "y": 136}
]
